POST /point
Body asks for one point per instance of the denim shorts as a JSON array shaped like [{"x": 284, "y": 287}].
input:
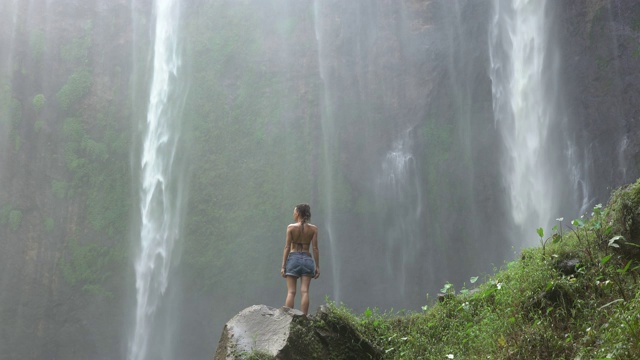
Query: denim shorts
[{"x": 300, "y": 264}]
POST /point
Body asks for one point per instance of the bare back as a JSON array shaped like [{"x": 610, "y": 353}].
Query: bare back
[{"x": 300, "y": 238}]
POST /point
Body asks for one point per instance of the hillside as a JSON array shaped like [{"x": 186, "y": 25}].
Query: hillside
[{"x": 574, "y": 297}]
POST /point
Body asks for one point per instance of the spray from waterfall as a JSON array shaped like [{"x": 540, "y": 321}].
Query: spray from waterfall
[
  {"x": 329, "y": 147},
  {"x": 523, "y": 110},
  {"x": 398, "y": 188},
  {"x": 162, "y": 188}
]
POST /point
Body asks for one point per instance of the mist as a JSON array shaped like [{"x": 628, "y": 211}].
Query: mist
[{"x": 153, "y": 151}]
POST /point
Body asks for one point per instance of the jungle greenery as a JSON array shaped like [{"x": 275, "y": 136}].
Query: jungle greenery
[
  {"x": 244, "y": 140},
  {"x": 94, "y": 149},
  {"x": 533, "y": 308}
]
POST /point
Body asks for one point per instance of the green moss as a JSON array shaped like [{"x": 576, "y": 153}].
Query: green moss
[
  {"x": 95, "y": 150},
  {"x": 59, "y": 189},
  {"x": 15, "y": 219},
  {"x": 49, "y": 225},
  {"x": 257, "y": 355},
  {"x": 76, "y": 88},
  {"x": 38, "y": 125},
  {"x": 624, "y": 213},
  {"x": 38, "y": 102},
  {"x": 77, "y": 53},
  {"x": 88, "y": 266}
]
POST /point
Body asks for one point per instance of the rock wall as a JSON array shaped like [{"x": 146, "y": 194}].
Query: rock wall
[
  {"x": 63, "y": 177},
  {"x": 601, "y": 54}
]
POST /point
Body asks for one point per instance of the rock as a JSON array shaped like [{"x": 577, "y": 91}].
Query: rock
[
  {"x": 258, "y": 328},
  {"x": 568, "y": 266},
  {"x": 270, "y": 333}
]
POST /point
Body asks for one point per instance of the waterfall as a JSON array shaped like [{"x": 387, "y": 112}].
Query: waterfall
[
  {"x": 162, "y": 189},
  {"x": 523, "y": 85},
  {"x": 328, "y": 129},
  {"x": 398, "y": 190}
]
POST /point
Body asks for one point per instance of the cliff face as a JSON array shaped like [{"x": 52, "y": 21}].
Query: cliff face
[
  {"x": 70, "y": 102},
  {"x": 601, "y": 55},
  {"x": 63, "y": 172}
]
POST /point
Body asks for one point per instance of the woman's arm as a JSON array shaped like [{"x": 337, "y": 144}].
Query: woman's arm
[
  {"x": 287, "y": 249},
  {"x": 316, "y": 253}
]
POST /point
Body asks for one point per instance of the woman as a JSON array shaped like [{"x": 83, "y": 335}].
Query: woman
[{"x": 296, "y": 259}]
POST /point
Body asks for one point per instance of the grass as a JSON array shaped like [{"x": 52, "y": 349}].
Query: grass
[{"x": 531, "y": 308}]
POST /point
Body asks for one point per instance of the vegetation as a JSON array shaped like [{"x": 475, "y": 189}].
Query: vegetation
[
  {"x": 89, "y": 265},
  {"x": 94, "y": 146},
  {"x": 76, "y": 87},
  {"x": 38, "y": 102},
  {"x": 245, "y": 134},
  {"x": 577, "y": 299},
  {"x": 101, "y": 184},
  {"x": 10, "y": 217}
]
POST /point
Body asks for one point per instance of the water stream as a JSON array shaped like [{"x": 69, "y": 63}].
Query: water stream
[
  {"x": 524, "y": 113},
  {"x": 329, "y": 148},
  {"x": 162, "y": 191}
]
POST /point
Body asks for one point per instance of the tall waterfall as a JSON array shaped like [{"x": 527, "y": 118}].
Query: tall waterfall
[
  {"x": 328, "y": 128},
  {"x": 523, "y": 83},
  {"x": 162, "y": 191}
]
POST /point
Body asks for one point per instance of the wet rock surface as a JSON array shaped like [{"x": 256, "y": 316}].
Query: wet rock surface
[{"x": 266, "y": 332}]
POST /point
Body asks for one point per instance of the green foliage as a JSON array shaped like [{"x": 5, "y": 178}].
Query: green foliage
[
  {"x": 88, "y": 266},
  {"x": 530, "y": 309},
  {"x": 96, "y": 174},
  {"x": 59, "y": 189},
  {"x": 38, "y": 125},
  {"x": 15, "y": 219},
  {"x": 254, "y": 163},
  {"x": 95, "y": 149},
  {"x": 38, "y": 102},
  {"x": 37, "y": 44},
  {"x": 76, "y": 87},
  {"x": 76, "y": 54},
  {"x": 624, "y": 212},
  {"x": 49, "y": 225},
  {"x": 256, "y": 355}
]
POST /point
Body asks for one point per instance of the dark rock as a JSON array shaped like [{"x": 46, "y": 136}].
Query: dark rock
[
  {"x": 568, "y": 266},
  {"x": 557, "y": 295}
]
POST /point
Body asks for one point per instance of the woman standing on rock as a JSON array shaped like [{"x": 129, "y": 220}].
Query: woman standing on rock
[{"x": 296, "y": 259}]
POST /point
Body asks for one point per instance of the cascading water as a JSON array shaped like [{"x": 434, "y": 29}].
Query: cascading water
[
  {"x": 523, "y": 107},
  {"x": 328, "y": 150},
  {"x": 162, "y": 190},
  {"x": 399, "y": 189}
]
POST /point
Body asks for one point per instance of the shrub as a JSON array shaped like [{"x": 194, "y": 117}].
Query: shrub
[
  {"x": 76, "y": 87},
  {"x": 38, "y": 102}
]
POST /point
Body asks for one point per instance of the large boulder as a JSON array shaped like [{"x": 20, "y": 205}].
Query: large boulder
[{"x": 263, "y": 332}]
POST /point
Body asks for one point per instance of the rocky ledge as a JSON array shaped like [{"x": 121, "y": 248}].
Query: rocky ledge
[{"x": 263, "y": 332}]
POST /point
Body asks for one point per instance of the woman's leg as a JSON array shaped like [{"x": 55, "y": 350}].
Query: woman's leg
[
  {"x": 304, "y": 291},
  {"x": 291, "y": 291}
]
